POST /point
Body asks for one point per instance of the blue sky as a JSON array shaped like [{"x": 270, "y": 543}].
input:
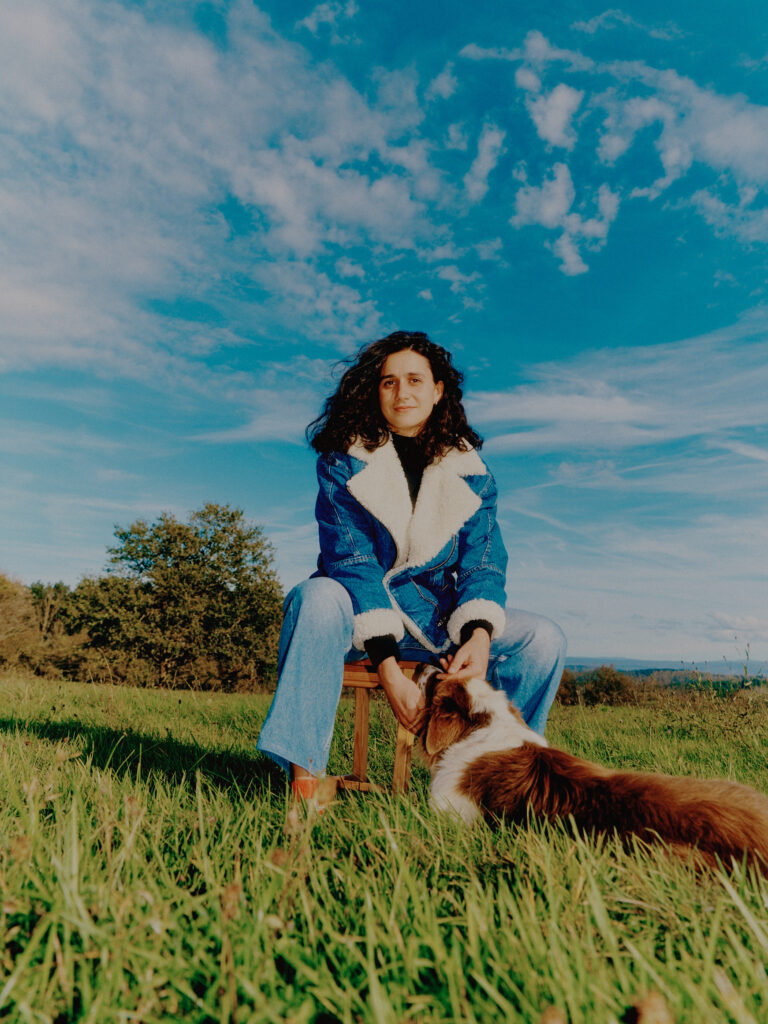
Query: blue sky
[{"x": 204, "y": 206}]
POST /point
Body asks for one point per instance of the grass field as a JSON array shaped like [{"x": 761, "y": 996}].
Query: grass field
[{"x": 147, "y": 874}]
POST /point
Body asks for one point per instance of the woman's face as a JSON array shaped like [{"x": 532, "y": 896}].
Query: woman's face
[{"x": 407, "y": 392}]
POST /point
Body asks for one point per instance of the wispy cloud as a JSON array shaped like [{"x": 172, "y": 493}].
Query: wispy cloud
[
  {"x": 708, "y": 388},
  {"x": 330, "y": 17},
  {"x": 643, "y": 491},
  {"x": 640, "y": 581},
  {"x": 490, "y": 146},
  {"x": 742, "y": 630},
  {"x": 614, "y": 18},
  {"x": 275, "y": 416},
  {"x": 749, "y": 451}
]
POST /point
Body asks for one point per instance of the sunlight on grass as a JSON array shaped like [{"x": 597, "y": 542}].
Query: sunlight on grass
[{"x": 146, "y": 875}]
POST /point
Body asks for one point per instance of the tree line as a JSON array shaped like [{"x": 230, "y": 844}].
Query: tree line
[{"x": 193, "y": 604}]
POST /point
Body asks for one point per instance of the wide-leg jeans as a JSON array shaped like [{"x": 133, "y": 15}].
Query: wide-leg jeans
[{"x": 526, "y": 662}]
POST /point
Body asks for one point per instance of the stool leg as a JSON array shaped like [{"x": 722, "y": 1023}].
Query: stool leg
[
  {"x": 401, "y": 776},
  {"x": 360, "y": 754}
]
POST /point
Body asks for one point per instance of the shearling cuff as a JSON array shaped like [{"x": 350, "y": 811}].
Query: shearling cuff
[
  {"x": 378, "y": 622},
  {"x": 477, "y": 608}
]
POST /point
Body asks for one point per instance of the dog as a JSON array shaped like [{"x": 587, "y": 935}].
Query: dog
[{"x": 486, "y": 763}]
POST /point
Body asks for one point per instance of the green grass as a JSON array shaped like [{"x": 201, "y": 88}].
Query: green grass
[{"x": 147, "y": 874}]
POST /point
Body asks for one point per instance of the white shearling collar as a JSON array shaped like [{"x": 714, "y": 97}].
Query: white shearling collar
[{"x": 445, "y": 501}]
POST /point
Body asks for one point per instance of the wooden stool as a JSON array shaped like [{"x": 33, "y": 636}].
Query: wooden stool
[{"x": 363, "y": 678}]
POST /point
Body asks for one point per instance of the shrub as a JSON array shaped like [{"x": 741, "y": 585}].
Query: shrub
[
  {"x": 607, "y": 686},
  {"x": 602, "y": 685}
]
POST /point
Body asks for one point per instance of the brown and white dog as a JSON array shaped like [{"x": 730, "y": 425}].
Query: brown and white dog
[{"x": 486, "y": 763}]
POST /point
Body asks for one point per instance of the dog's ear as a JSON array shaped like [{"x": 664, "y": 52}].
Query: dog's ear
[{"x": 448, "y": 717}]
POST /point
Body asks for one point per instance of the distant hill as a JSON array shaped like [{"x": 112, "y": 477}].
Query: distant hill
[{"x": 714, "y": 668}]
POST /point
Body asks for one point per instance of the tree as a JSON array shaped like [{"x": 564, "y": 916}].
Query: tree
[
  {"x": 18, "y": 632},
  {"x": 50, "y": 602},
  {"x": 198, "y": 601},
  {"x": 58, "y": 650}
]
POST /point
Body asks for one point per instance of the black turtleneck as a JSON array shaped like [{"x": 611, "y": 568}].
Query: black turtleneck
[{"x": 414, "y": 462}]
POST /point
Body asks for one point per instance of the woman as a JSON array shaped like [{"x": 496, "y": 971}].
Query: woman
[{"x": 412, "y": 565}]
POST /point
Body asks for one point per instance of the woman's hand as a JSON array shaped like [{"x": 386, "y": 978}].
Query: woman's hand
[
  {"x": 470, "y": 661},
  {"x": 404, "y": 696}
]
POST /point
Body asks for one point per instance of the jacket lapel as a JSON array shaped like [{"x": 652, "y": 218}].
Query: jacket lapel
[{"x": 445, "y": 501}]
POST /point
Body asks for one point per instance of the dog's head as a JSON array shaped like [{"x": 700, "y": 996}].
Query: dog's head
[{"x": 448, "y": 714}]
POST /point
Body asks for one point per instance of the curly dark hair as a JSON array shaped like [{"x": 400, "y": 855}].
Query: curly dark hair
[{"x": 353, "y": 412}]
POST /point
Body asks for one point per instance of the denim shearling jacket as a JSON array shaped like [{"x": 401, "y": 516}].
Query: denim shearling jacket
[{"x": 427, "y": 569}]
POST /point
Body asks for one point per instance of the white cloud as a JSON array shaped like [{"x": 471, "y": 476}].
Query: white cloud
[
  {"x": 490, "y": 250},
  {"x": 549, "y": 205},
  {"x": 527, "y": 80},
  {"x": 754, "y": 65},
  {"x": 597, "y": 227},
  {"x": 397, "y": 94},
  {"x": 458, "y": 280},
  {"x": 726, "y": 133},
  {"x": 490, "y": 147},
  {"x": 347, "y": 268},
  {"x": 553, "y": 113},
  {"x": 742, "y": 219},
  {"x": 329, "y": 312},
  {"x": 329, "y": 15},
  {"x": 444, "y": 85},
  {"x": 134, "y": 154},
  {"x": 447, "y": 251},
  {"x": 536, "y": 51},
  {"x": 566, "y": 250},
  {"x": 474, "y": 52},
  {"x": 457, "y": 137},
  {"x": 693, "y": 125},
  {"x": 467, "y": 286}
]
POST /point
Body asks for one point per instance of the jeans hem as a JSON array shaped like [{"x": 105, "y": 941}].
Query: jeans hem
[{"x": 284, "y": 760}]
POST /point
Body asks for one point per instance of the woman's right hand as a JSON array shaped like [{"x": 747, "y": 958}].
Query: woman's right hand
[{"x": 404, "y": 696}]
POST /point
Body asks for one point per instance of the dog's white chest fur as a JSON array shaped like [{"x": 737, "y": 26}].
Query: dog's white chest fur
[{"x": 504, "y": 732}]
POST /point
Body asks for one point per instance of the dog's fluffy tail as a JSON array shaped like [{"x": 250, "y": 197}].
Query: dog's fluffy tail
[{"x": 718, "y": 818}]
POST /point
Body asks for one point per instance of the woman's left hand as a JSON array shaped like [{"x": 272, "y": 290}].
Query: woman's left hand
[{"x": 470, "y": 661}]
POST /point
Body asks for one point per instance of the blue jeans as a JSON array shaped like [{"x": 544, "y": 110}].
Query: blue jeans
[{"x": 526, "y": 662}]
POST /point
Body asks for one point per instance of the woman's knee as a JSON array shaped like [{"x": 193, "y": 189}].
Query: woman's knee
[
  {"x": 540, "y": 637},
  {"x": 549, "y": 639},
  {"x": 320, "y": 598}
]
